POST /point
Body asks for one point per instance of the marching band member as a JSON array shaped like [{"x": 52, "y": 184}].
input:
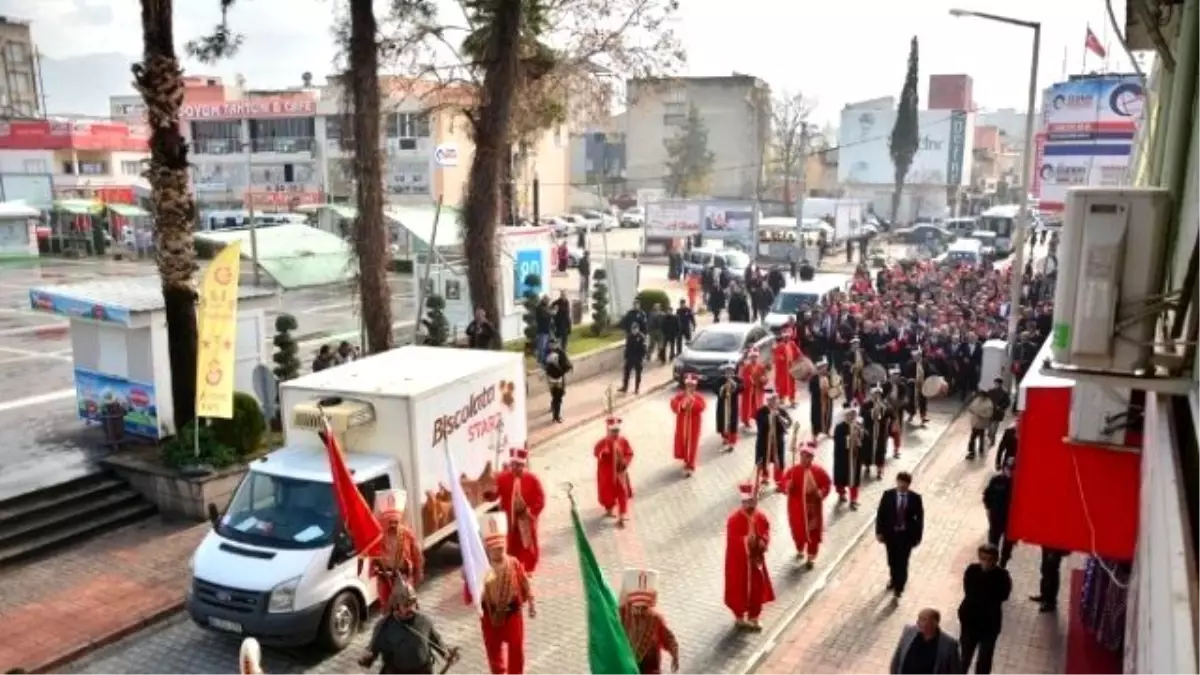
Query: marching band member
[
  {"x": 399, "y": 557},
  {"x": 728, "y": 396},
  {"x": 857, "y": 360},
  {"x": 847, "y": 449},
  {"x": 754, "y": 380},
  {"x": 645, "y": 627},
  {"x": 820, "y": 412},
  {"x": 747, "y": 582},
  {"x": 807, "y": 486},
  {"x": 506, "y": 591},
  {"x": 877, "y": 423},
  {"x": 895, "y": 392},
  {"x": 522, "y": 500},
  {"x": 613, "y": 457},
  {"x": 918, "y": 370},
  {"x": 770, "y": 444},
  {"x": 688, "y": 406},
  {"x": 785, "y": 354}
]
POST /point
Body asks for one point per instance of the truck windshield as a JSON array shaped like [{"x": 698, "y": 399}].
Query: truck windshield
[{"x": 278, "y": 512}]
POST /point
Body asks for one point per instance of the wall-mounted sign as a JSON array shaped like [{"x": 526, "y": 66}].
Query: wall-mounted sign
[
  {"x": 446, "y": 155},
  {"x": 256, "y": 108}
]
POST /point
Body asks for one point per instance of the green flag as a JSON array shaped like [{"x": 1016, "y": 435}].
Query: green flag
[{"x": 609, "y": 652}]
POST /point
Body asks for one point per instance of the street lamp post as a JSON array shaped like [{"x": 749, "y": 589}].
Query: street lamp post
[{"x": 1017, "y": 267}]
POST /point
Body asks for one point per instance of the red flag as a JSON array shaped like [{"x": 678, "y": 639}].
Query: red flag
[
  {"x": 1092, "y": 43},
  {"x": 364, "y": 530}
]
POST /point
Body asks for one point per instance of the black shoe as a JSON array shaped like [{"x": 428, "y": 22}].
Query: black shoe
[
  {"x": 970, "y": 455},
  {"x": 897, "y": 594},
  {"x": 623, "y": 390},
  {"x": 890, "y": 586},
  {"x": 1035, "y": 598}
]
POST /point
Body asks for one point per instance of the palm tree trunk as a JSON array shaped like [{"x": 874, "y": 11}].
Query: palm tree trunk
[
  {"x": 480, "y": 213},
  {"x": 160, "y": 81},
  {"x": 370, "y": 231}
]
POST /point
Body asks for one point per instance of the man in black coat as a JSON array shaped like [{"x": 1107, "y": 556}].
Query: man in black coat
[
  {"x": 1007, "y": 451},
  {"x": 986, "y": 587},
  {"x": 900, "y": 526},
  {"x": 728, "y": 399},
  {"x": 687, "y": 324},
  {"x": 997, "y": 497},
  {"x": 635, "y": 357}
]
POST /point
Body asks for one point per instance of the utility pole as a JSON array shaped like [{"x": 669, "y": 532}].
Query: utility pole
[
  {"x": 802, "y": 188},
  {"x": 759, "y": 107},
  {"x": 250, "y": 212}
]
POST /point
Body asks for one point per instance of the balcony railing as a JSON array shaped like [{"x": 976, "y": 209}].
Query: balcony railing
[
  {"x": 216, "y": 146},
  {"x": 283, "y": 145}
]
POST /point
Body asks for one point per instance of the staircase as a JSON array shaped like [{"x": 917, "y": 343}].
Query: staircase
[{"x": 67, "y": 513}]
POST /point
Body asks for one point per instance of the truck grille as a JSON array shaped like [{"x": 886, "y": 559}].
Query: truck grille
[{"x": 243, "y": 602}]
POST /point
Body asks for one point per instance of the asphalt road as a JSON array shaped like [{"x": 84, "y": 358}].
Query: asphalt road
[{"x": 677, "y": 527}]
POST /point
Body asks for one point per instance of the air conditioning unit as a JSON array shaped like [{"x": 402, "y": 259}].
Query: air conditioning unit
[{"x": 343, "y": 414}]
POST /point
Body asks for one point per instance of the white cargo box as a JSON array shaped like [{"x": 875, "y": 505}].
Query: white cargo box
[{"x": 409, "y": 403}]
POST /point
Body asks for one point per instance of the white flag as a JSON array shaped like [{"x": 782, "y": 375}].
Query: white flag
[{"x": 474, "y": 557}]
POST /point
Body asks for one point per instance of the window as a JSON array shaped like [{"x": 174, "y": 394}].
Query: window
[
  {"x": 407, "y": 125},
  {"x": 68, "y": 168},
  {"x": 217, "y": 138},
  {"x": 131, "y": 167},
  {"x": 18, "y": 53},
  {"x": 674, "y": 120},
  {"x": 339, "y": 129},
  {"x": 291, "y": 134},
  {"x": 93, "y": 168},
  {"x": 407, "y": 177},
  {"x": 36, "y": 166}
]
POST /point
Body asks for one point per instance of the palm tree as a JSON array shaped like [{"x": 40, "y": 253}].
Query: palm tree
[{"x": 159, "y": 79}]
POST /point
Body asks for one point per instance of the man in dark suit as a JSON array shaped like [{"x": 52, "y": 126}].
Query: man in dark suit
[{"x": 899, "y": 526}]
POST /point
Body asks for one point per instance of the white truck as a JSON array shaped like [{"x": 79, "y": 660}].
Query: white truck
[
  {"x": 277, "y": 564},
  {"x": 847, "y": 216}
]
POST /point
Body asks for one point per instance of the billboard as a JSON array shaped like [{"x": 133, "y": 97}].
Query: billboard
[
  {"x": 943, "y": 152},
  {"x": 672, "y": 219},
  {"x": 273, "y": 107},
  {"x": 73, "y": 135},
  {"x": 1088, "y": 127}
]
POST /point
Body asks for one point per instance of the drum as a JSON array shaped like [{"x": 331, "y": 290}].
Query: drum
[
  {"x": 874, "y": 374},
  {"x": 837, "y": 389},
  {"x": 935, "y": 386},
  {"x": 803, "y": 369},
  {"x": 981, "y": 409}
]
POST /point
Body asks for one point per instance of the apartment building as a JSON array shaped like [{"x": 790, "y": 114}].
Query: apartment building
[
  {"x": 736, "y": 111},
  {"x": 20, "y": 81},
  {"x": 59, "y": 158},
  {"x": 279, "y": 149}
]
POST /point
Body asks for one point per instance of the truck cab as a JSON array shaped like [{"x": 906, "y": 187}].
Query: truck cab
[{"x": 278, "y": 564}]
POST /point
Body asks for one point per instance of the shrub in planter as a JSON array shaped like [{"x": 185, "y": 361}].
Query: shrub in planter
[
  {"x": 601, "y": 319},
  {"x": 647, "y": 299},
  {"x": 244, "y": 432},
  {"x": 180, "y": 451},
  {"x": 437, "y": 327},
  {"x": 529, "y": 300},
  {"x": 286, "y": 356}
]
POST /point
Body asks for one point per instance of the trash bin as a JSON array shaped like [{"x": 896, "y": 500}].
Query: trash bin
[
  {"x": 576, "y": 312},
  {"x": 113, "y": 420}
]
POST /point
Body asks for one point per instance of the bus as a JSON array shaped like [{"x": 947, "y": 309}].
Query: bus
[{"x": 1001, "y": 220}]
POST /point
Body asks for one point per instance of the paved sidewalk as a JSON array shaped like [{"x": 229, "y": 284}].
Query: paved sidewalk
[
  {"x": 86, "y": 597},
  {"x": 851, "y": 626}
]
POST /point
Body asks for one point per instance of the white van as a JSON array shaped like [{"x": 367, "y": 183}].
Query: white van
[
  {"x": 968, "y": 251},
  {"x": 277, "y": 564},
  {"x": 820, "y": 290}
]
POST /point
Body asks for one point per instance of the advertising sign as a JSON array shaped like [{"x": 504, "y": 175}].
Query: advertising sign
[
  {"x": 72, "y": 135},
  {"x": 528, "y": 261},
  {"x": 217, "y": 318},
  {"x": 943, "y": 150},
  {"x": 255, "y": 108},
  {"x": 77, "y": 309},
  {"x": 446, "y": 155},
  {"x": 1097, "y": 105},
  {"x": 283, "y": 196},
  {"x": 673, "y": 218},
  {"x": 94, "y": 392},
  {"x": 732, "y": 222}
]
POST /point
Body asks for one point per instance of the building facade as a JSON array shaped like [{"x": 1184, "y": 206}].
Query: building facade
[
  {"x": 736, "y": 110},
  {"x": 950, "y": 92},
  {"x": 76, "y": 158},
  {"x": 20, "y": 82},
  {"x": 599, "y": 156},
  {"x": 277, "y": 150}
]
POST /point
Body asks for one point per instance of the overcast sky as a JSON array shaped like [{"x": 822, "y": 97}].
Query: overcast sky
[{"x": 837, "y": 52}]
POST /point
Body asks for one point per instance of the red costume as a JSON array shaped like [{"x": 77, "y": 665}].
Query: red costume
[
  {"x": 646, "y": 629},
  {"x": 747, "y": 536},
  {"x": 808, "y": 485},
  {"x": 522, "y": 500},
  {"x": 398, "y": 555},
  {"x": 754, "y": 384},
  {"x": 688, "y": 406},
  {"x": 506, "y": 589},
  {"x": 785, "y": 355},
  {"x": 613, "y": 456}
]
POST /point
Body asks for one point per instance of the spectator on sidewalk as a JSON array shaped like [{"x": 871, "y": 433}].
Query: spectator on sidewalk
[
  {"x": 562, "y": 319},
  {"x": 585, "y": 273},
  {"x": 635, "y": 316},
  {"x": 635, "y": 358},
  {"x": 924, "y": 648},
  {"x": 480, "y": 332},
  {"x": 687, "y": 324},
  {"x": 986, "y": 587},
  {"x": 899, "y": 526},
  {"x": 672, "y": 330},
  {"x": 1051, "y": 580},
  {"x": 1007, "y": 452},
  {"x": 325, "y": 359},
  {"x": 543, "y": 322},
  {"x": 997, "y": 498}
]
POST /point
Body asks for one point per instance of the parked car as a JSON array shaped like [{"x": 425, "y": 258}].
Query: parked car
[
  {"x": 596, "y": 221},
  {"x": 987, "y": 241},
  {"x": 698, "y": 259},
  {"x": 560, "y": 226},
  {"x": 634, "y": 217},
  {"x": 960, "y": 226},
  {"x": 923, "y": 233},
  {"x": 719, "y": 344}
]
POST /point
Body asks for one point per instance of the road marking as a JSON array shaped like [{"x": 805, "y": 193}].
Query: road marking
[
  {"x": 22, "y": 330},
  {"x": 60, "y": 395},
  {"x": 32, "y": 354}
]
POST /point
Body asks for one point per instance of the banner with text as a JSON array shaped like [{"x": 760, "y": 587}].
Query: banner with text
[{"x": 217, "y": 318}]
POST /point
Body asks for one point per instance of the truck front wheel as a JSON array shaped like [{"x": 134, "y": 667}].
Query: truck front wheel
[{"x": 341, "y": 622}]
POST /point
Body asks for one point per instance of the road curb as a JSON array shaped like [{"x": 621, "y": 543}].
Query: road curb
[
  {"x": 755, "y": 661},
  {"x": 56, "y": 663}
]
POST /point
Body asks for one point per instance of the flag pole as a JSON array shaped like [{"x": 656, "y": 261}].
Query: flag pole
[{"x": 1064, "y": 70}]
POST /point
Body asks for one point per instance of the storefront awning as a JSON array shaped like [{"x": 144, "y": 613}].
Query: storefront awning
[
  {"x": 78, "y": 207},
  {"x": 129, "y": 211}
]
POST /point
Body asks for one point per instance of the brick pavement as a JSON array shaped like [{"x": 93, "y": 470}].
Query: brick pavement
[
  {"x": 851, "y": 626},
  {"x": 108, "y": 587},
  {"x": 676, "y": 527}
]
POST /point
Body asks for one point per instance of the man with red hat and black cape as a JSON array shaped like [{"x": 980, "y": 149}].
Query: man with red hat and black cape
[
  {"x": 728, "y": 398},
  {"x": 747, "y": 581}
]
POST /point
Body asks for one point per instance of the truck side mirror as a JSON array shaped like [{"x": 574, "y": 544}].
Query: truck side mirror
[{"x": 213, "y": 515}]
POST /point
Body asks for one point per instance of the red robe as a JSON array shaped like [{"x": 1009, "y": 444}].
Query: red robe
[
  {"x": 807, "y": 488},
  {"x": 522, "y": 528},
  {"x": 747, "y": 584},
  {"x": 504, "y": 588},
  {"x": 612, "y": 487},
  {"x": 649, "y": 637},
  {"x": 394, "y": 558},
  {"x": 754, "y": 379},
  {"x": 687, "y": 426},
  {"x": 785, "y": 354}
]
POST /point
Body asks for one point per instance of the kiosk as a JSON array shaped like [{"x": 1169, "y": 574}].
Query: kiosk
[
  {"x": 18, "y": 231},
  {"x": 119, "y": 345}
]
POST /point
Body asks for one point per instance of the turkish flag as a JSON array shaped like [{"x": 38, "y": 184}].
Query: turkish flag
[
  {"x": 362, "y": 526},
  {"x": 1092, "y": 43}
]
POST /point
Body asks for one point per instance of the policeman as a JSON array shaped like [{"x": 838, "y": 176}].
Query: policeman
[
  {"x": 635, "y": 357},
  {"x": 557, "y": 366},
  {"x": 405, "y": 638}
]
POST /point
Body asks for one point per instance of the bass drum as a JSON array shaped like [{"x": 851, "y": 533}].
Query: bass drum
[
  {"x": 874, "y": 374},
  {"x": 803, "y": 369},
  {"x": 837, "y": 389},
  {"x": 981, "y": 410},
  {"x": 935, "y": 386}
]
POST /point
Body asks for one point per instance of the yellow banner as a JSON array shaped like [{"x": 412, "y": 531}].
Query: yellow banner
[{"x": 217, "y": 319}]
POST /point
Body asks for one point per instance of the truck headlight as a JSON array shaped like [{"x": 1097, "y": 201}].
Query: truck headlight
[{"x": 283, "y": 596}]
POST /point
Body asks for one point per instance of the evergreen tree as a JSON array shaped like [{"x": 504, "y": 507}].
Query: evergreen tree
[
  {"x": 601, "y": 321},
  {"x": 286, "y": 357},
  {"x": 689, "y": 161},
  {"x": 529, "y": 299},
  {"x": 906, "y": 133},
  {"x": 437, "y": 327}
]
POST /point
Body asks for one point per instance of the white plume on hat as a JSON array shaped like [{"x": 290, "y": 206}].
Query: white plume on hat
[
  {"x": 639, "y": 586},
  {"x": 250, "y": 657}
]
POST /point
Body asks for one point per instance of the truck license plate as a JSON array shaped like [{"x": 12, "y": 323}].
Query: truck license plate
[{"x": 227, "y": 626}]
